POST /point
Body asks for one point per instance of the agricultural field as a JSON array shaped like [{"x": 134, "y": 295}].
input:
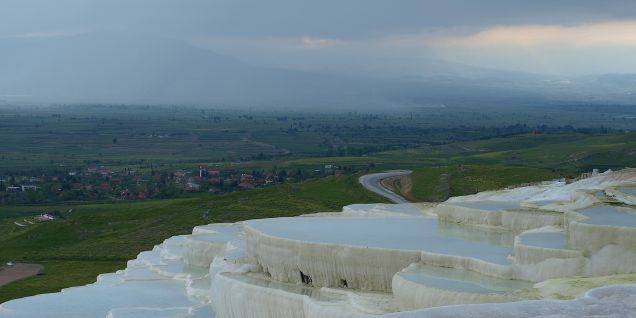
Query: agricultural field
[{"x": 155, "y": 137}]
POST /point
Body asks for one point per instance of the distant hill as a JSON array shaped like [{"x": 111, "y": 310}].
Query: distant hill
[
  {"x": 120, "y": 68},
  {"x": 115, "y": 68}
]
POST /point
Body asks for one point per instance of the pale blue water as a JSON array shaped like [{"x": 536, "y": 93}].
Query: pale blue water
[
  {"x": 628, "y": 190},
  {"x": 556, "y": 240},
  {"x": 476, "y": 234},
  {"x": 489, "y": 205},
  {"x": 417, "y": 234},
  {"x": 461, "y": 280},
  {"x": 403, "y": 208},
  {"x": 102, "y": 298},
  {"x": 610, "y": 215}
]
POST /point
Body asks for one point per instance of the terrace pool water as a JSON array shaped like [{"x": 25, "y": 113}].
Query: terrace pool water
[
  {"x": 610, "y": 215},
  {"x": 555, "y": 240},
  {"x": 476, "y": 234},
  {"x": 488, "y": 205},
  {"x": 460, "y": 280},
  {"x": 399, "y": 209},
  {"x": 628, "y": 190},
  {"x": 408, "y": 233},
  {"x": 102, "y": 298}
]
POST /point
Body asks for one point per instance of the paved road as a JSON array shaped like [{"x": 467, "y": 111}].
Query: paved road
[{"x": 372, "y": 183}]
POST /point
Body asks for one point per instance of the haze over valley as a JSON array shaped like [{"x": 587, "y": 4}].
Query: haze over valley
[
  {"x": 121, "y": 68},
  {"x": 335, "y": 55}
]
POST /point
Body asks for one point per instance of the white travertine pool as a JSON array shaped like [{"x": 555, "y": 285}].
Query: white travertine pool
[
  {"x": 610, "y": 215},
  {"x": 489, "y": 205},
  {"x": 416, "y": 234},
  {"x": 406, "y": 209},
  {"x": 102, "y": 298},
  {"x": 476, "y": 234},
  {"x": 555, "y": 240},
  {"x": 628, "y": 190},
  {"x": 460, "y": 280}
]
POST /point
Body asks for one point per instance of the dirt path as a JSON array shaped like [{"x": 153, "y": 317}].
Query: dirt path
[
  {"x": 400, "y": 185},
  {"x": 18, "y": 271}
]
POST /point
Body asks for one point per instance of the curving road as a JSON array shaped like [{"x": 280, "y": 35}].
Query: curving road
[{"x": 372, "y": 183}]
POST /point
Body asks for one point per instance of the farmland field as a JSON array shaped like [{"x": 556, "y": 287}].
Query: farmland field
[{"x": 143, "y": 136}]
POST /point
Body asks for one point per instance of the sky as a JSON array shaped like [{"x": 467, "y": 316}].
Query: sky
[{"x": 570, "y": 37}]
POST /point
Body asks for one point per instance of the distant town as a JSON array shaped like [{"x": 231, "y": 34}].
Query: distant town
[{"x": 105, "y": 183}]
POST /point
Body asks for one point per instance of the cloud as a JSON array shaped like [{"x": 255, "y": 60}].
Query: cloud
[
  {"x": 317, "y": 43},
  {"x": 44, "y": 34},
  {"x": 266, "y": 43},
  {"x": 610, "y": 33}
]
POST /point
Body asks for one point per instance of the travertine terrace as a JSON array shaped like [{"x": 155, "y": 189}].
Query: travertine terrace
[{"x": 490, "y": 254}]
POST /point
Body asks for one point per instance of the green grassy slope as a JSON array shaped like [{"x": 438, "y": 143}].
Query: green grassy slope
[
  {"x": 97, "y": 238},
  {"x": 439, "y": 183},
  {"x": 565, "y": 152},
  {"x": 501, "y": 162}
]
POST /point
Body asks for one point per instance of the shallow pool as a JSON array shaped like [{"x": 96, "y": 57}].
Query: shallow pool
[
  {"x": 476, "y": 234},
  {"x": 403, "y": 208},
  {"x": 556, "y": 240},
  {"x": 408, "y": 233},
  {"x": 610, "y": 215},
  {"x": 489, "y": 205},
  {"x": 102, "y": 298},
  {"x": 628, "y": 190},
  {"x": 460, "y": 280}
]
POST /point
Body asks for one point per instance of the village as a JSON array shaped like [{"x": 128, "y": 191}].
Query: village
[{"x": 109, "y": 184}]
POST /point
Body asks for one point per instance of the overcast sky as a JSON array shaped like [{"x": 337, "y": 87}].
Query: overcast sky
[{"x": 549, "y": 36}]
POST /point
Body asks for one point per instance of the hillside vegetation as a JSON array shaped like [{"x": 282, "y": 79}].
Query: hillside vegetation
[
  {"x": 501, "y": 162},
  {"x": 439, "y": 183},
  {"x": 98, "y": 238}
]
